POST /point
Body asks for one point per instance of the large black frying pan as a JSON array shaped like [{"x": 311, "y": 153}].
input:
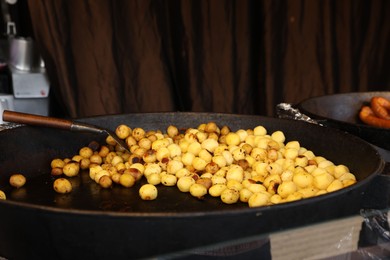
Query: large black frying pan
[
  {"x": 93, "y": 223},
  {"x": 341, "y": 111}
]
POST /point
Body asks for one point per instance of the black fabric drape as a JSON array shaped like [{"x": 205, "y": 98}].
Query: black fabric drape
[{"x": 106, "y": 57}]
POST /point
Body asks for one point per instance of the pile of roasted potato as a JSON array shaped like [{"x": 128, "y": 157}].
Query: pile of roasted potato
[{"x": 248, "y": 165}]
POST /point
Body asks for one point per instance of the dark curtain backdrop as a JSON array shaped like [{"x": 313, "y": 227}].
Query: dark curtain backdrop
[{"x": 108, "y": 57}]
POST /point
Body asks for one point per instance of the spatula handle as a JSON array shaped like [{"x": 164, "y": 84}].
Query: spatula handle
[{"x": 37, "y": 120}]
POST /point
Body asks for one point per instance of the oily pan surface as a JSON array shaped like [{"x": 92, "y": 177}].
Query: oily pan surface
[{"x": 30, "y": 150}]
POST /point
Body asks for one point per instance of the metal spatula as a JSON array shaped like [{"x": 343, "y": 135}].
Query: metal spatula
[{"x": 45, "y": 121}]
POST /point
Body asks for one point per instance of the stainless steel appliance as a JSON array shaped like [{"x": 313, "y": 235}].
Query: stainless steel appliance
[
  {"x": 31, "y": 90},
  {"x": 28, "y": 84},
  {"x": 22, "y": 71}
]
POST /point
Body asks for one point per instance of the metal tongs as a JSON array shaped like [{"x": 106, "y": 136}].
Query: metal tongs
[
  {"x": 52, "y": 122},
  {"x": 286, "y": 110}
]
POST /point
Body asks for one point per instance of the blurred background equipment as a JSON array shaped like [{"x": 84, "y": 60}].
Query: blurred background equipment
[{"x": 22, "y": 70}]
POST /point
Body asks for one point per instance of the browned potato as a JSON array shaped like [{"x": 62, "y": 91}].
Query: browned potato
[
  {"x": 62, "y": 185},
  {"x": 2, "y": 195},
  {"x": 17, "y": 180}
]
